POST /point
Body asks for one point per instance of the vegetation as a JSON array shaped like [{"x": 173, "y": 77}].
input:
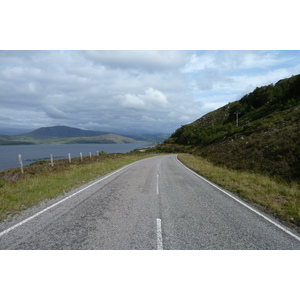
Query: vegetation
[
  {"x": 41, "y": 181},
  {"x": 266, "y": 140},
  {"x": 153, "y": 138}
]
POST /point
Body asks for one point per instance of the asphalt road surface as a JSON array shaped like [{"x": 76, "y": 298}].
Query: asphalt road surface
[{"x": 155, "y": 203}]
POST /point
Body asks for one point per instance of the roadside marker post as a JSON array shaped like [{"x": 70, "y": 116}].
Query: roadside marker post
[
  {"x": 21, "y": 163},
  {"x": 51, "y": 159}
]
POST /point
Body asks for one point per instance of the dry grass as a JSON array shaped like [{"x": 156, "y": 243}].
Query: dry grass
[{"x": 278, "y": 198}]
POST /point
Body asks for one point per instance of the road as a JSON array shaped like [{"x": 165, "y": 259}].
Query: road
[{"x": 155, "y": 203}]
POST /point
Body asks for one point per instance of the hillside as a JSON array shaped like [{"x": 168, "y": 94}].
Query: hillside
[
  {"x": 9, "y": 140},
  {"x": 153, "y": 138},
  {"x": 266, "y": 138},
  {"x": 64, "y": 135},
  {"x": 102, "y": 139}
]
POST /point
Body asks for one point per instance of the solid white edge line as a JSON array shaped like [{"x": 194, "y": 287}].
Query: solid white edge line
[
  {"x": 239, "y": 201},
  {"x": 159, "y": 235},
  {"x": 63, "y": 200}
]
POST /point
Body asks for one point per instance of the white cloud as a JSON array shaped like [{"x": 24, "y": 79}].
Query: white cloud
[
  {"x": 134, "y": 102},
  {"x": 199, "y": 62},
  {"x": 233, "y": 60},
  {"x": 151, "y": 99}
]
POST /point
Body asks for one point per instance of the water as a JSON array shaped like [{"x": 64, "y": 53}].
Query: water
[{"x": 33, "y": 153}]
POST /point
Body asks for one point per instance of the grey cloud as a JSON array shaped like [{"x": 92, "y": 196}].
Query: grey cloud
[
  {"x": 140, "y": 60},
  {"x": 210, "y": 78},
  {"x": 54, "y": 112}
]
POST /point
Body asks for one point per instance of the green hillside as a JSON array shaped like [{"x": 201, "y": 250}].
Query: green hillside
[
  {"x": 266, "y": 138},
  {"x": 154, "y": 138},
  {"x": 9, "y": 140}
]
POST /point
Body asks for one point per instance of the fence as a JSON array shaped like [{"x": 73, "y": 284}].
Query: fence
[{"x": 98, "y": 153}]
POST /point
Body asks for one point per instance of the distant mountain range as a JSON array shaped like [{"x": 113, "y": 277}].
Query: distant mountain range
[
  {"x": 70, "y": 135},
  {"x": 61, "y": 132}
]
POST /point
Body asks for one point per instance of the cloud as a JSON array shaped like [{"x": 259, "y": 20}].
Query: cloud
[
  {"x": 54, "y": 113},
  {"x": 139, "y": 60},
  {"x": 212, "y": 77},
  {"x": 234, "y": 60},
  {"x": 151, "y": 99},
  {"x": 129, "y": 91}
]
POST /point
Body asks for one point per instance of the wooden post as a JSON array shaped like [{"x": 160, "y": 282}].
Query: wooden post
[
  {"x": 69, "y": 157},
  {"x": 81, "y": 156},
  {"x": 51, "y": 160},
  {"x": 21, "y": 163}
]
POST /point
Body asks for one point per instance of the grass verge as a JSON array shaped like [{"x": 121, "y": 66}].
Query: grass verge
[
  {"x": 40, "y": 181},
  {"x": 277, "y": 198}
]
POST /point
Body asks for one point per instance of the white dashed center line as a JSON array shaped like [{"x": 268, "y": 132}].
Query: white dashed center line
[{"x": 159, "y": 235}]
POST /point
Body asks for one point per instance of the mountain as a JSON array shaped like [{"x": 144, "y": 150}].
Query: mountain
[
  {"x": 258, "y": 133},
  {"x": 61, "y": 132},
  {"x": 109, "y": 138},
  {"x": 64, "y": 135}
]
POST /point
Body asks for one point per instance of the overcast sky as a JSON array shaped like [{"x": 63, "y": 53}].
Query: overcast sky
[{"x": 129, "y": 91}]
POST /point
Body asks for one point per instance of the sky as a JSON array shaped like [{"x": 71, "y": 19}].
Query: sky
[{"x": 129, "y": 91}]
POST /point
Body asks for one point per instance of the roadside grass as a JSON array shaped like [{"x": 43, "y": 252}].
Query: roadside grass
[
  {"x": 40, "y": 181},
  {"x": 281, "y": 199}
]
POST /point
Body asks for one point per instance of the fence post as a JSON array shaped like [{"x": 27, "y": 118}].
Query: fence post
[
  {"x": 21, "y": 163},
  {"x": 97, "y": 153},
  {"x": 69, "y": 157},
  {"x": 81, "y": 156},
  {"x": 51, "y": 159},
  {"x": 90, "y": 154}
]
